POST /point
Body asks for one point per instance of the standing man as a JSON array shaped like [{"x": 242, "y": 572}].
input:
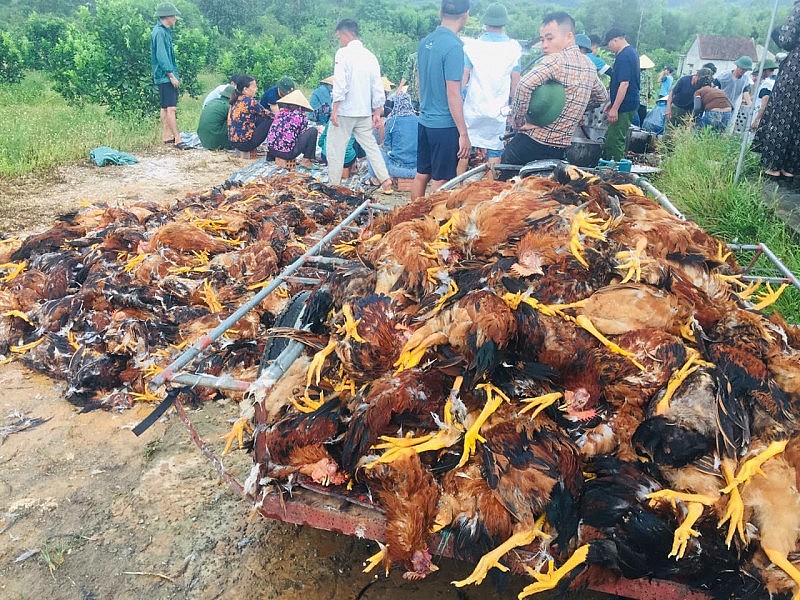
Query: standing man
[
  {"x": 358, "y": 100},
  {"x": 165, "y": 72},
  {"x": 491, "y": 76},
  {"x": 624, "y": 93},
  {"x": 442, "y": 137},
  {"x": 665, "y": 79},
  {"x": 540, "y": 136},
  {"x": 736, "y": 83}
]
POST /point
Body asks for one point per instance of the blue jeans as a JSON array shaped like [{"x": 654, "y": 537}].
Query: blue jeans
[{"x": 717, "y": 120}]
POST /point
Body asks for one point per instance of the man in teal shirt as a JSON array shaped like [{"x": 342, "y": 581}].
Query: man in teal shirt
[
  {"x": 165, "y": 71},
  {"x": 442, "y": 136}
]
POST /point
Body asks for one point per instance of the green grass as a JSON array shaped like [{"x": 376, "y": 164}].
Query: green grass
[
  {"x": 697, "y": 176},
  {"x": 39, "y": 129}
]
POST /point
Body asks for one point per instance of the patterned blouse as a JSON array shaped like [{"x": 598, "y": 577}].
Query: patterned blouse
[
  {"x": 286, "y": 128},
  {"x": 245, "y": 115}
]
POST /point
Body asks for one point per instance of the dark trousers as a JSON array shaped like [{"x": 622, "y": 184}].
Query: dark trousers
[
  {"x": 305, "y": 144},
  {"x": 259, "y": 135},
  {"x": 522, "y": 149}
]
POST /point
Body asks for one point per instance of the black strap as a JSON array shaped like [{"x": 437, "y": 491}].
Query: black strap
[{"x": 159, "y": 410}]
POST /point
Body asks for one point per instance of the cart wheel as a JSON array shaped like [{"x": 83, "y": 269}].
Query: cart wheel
[{"x": 292, "y": 316}]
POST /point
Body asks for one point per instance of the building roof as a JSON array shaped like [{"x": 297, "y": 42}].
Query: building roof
[{"x": 720, "y": 47}]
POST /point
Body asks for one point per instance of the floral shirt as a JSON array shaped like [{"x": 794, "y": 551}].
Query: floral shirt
[
  {"x": 246, "y": 113},
  {"x": 285, "y": 129}
]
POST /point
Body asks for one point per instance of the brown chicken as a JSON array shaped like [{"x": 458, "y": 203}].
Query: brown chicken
[{"x": 409, "y": 494}]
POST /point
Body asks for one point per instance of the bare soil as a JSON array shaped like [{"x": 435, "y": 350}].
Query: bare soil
[{"x": 89, "y": 511}]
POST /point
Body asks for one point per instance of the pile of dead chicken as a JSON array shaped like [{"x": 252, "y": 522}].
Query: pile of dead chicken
[
  {"x": 107, "y": 295},
  {"x": 558, "y": 361}
]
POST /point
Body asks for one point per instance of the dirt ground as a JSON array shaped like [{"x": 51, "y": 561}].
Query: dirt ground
[{"x": 89, "y": 511}]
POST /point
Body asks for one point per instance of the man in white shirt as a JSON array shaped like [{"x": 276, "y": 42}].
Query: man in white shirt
[{"x": 358, "y": 99}]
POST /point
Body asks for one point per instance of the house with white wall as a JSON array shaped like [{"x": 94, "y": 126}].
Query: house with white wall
[{"x": 720, "y": 50}]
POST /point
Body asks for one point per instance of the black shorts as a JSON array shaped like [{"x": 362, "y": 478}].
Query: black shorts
[
  {"x": 437, "y": 152},
  {"x": 168, "y": 94}
]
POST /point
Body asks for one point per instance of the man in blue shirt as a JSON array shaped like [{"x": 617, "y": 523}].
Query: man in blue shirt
[
  {"x": 165, "y": 71},
  {"x": 269, "y": 99},
  {"x": 624, "y": 93},
  {"x": 442, "y": 134},
  {"x": 665, "y": 79}
]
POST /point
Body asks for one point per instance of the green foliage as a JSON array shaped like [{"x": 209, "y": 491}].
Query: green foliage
[
  {"x": 697, "y": 176},
  {"x": 43, "y": 32},
  {"x": 105, "y": 56},
  {"x": 11, "y": 58},
  {"x": 231, "y": 14}
]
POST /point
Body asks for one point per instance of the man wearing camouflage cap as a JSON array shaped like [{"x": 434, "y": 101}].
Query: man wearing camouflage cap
[
  {"x": 680, "y": 101},
  {"x": 165, "y": 71}
]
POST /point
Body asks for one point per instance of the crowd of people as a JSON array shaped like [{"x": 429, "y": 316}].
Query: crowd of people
[{"x": 463, "y": 99}]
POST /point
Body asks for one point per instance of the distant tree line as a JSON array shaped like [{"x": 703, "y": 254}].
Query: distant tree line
[{"x": 98, "y": 51}]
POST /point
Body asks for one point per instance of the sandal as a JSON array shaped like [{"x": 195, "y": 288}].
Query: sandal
[
  {"x": 182, "y": 146},
  {"x": 169, "y": 142}
]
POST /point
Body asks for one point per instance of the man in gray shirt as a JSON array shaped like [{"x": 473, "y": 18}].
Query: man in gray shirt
[{"x": 736, "y": 83}]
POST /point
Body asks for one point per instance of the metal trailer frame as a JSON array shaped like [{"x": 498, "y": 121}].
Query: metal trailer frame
[{"x": 321, "y": 508}]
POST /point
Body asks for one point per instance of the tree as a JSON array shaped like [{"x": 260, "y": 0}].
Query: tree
[
  {"x": 43, "y": 33},
  {"x": 232, "y": 14},
  {"x": 11, "y": 59},
  {"x": 105, "y": 56}
]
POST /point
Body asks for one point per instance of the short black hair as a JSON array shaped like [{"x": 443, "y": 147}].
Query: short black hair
[
  {"x": 670, "y": 68},
  {"x": 561, "y": 18},
  {"x": 595, "y": 39},
  {"x": 350, "y": 26}
]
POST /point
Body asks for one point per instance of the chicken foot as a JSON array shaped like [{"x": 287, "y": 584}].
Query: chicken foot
[
  {"x": 734, "y": 512},
  {"x": 239, "y": 428},
  {"x": 492, "y": 559},
  {"x": 694, "y": 510},
  {"x": 693, "y": 362},
  {"x": 752, "y": 466},
  {"x": 494, "y": 398},
  {"x": 583, "y": 322},
  {"x": 315, "y": 368},
  {"x": 539, "y": 403},
  {"x": 350, "y": 327},
  {"x": 550, "y": 579}
]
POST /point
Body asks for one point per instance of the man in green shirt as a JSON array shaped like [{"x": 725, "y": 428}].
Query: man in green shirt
[
  {"x": 165, "y": 71},
  {"x": 213, "y": 126}
]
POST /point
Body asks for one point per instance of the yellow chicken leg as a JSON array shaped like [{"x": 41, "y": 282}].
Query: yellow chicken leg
[
  {"x": 734, "y": 512},
  {"x": 693, "y": 362},
  {"x": 539, "y": 403},
  {"x": 549, "y": 580},
  {"x": 376, "y": 559},
  {"x": 494, "y": 398},
  {"x": 781, "y": 561},
  {"x": 350, "y": 327},
  {"x": 752, "y": 466},
  {"x": 584, "y": 322},
  {"x": 694, "y": 507},
  {"x": 397, "y": 447},
  {"x": 240, "y": 426},
  {"x": 492, "y": 559},
  {"x": 770, "y": 296},
  {"x": 315, "y": 368}
]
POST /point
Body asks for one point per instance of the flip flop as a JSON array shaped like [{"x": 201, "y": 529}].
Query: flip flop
[
  {"x": 168, "y": 142},
  {"x": 182, "y": 146}
]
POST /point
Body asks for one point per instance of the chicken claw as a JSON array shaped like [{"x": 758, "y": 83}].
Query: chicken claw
[
  {"x": 584, "y": 322},
  {"x": 633, "y": 261},
  {"x": 694, "y": 510},
  {"x": 15, "y": 268},
  {"x": 539, "y": 403},
  {"x": 770, "y": 296},
  {"x": 376, "y": 559},
  {"x": 780, "y": 560},
  {"x": 398, "y": 447},
  {"x": 494, "y": 398},
  {"x": 492, "y": 559},
  {"x": 734, "y": 512},
  {"x": 350, "y": 327},
  {"x": 240, "y": 427},
  {"x": 306, "y": 405},
  {"x": 315, "y": 368},
  {"x": 693, "y": 362},
  {"x": 549, "y": 580},
  {"x": 752, "y": 466},
  {"x": 452, "y": 290}
]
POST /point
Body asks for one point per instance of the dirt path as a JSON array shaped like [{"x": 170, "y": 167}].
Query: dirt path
[{"x": 102, "y": 514}]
